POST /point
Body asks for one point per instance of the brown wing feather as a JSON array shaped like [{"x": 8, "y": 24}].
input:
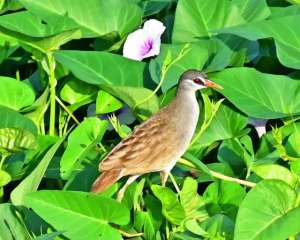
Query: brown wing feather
[{"x": 138, "y": 152}]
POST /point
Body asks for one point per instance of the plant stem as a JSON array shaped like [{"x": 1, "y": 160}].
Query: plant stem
[
  {"x": 52, "y": 83},
  {"x": 218, "y": 175},
  {"x": 231, "y": 179},
  {"x": 167, "y": 231},
  {"x": 130, "y": 235},
  {"x": 67, "y": 110}
]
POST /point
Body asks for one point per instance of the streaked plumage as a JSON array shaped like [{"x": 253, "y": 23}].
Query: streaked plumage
[{"x": 159, "y": 142}]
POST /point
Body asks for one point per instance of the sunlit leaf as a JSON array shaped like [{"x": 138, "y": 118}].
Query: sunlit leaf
[
  {"x": 80, "y": 142},
  {"x": 96, "y": 212},
  {"x": 106, "y": 103},
  {"x": 12, "y": 226},
  {"x": 15, "y": 94},
  {"x": 171, "y": 208},
  {"x": 14, "y": 140},
  {"x": 102, "y": 67},
  {"x": 116, "y": 16},
  {"x": 268, "y": 212},
  {"x": 259, "y": 94}
]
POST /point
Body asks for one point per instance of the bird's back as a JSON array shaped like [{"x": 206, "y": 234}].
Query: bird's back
[{"x": 155, "y": 145}]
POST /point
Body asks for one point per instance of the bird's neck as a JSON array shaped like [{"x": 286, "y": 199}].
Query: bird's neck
[{"x": 187, "y": 105}]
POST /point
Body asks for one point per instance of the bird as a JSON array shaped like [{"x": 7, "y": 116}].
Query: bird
[{"x": 157, "y": 144}]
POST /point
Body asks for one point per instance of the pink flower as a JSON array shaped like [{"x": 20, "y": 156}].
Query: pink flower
[
  {"x": 144, "y": 42},
  {"x": 259, "y": 125}
]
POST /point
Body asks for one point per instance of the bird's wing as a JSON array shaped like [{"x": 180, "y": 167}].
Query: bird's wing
[{"x": 138, "y": 152}]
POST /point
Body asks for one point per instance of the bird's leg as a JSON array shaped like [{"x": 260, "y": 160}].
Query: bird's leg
[
  {"x": 164, "y": 177},
  {"x": 130, "y": 180}
]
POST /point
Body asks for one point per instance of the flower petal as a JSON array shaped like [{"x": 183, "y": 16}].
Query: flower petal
[
  {"x": 144, "y": 42},
  {"x": 154, "y": 28},
  {"x": 259, "y": 125},
  {"x": 155, "y": 48},
  {"x": 133, "y": 45}
]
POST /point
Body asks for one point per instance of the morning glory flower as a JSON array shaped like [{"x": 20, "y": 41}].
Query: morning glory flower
[
  {"x": 259, "y": 125},
  {"x": 144, "y": 42}
]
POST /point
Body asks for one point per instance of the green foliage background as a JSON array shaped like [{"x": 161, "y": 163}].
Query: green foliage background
[{"x": 68, "y": 96}]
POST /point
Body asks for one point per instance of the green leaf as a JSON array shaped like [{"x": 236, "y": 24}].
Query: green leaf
[
  {"x": 223, "y": 197},
  {"x": 134, "y": 97},
  {"x": 259, "y": 94},
  {"x": 12, "y": 119},
  {"x": 15, "y": 140},
  {"x": 106, "y": 103},
  {"x": 102, "y": 67},
  {"x": 192, "y": 203},
  {"x": 80, "y": 142},
  {"x": 75, "y": 91},
  {"x": 232, "y": 152},
  {"x": 11, "y": 227},
  {"x": 283, "y": 30},
  {"x": 33, "y": 34},
  {"x": 174, "y": 59},
  {"x": 149, "y": 222},
  {"x": 218, "y": 227},
  {"x": 253, "y": 10},
  {"x": 32, "y": 181},
  {"x": 15, "y": 94},
  {"x": 194, "y": 227},
  {"x": 121, "y": 17},
  {"x": 293, "y": 144},
  {"x": 5, "y": 178},
  {"x": 274, "y": 171},
  {"x": 268, "y": 212},
  {"x": 226, "y": 124},
  {"x": 171, "y": 208},
  {"x": 195, "y": 19},
  {"x": 96, "y": 212}
]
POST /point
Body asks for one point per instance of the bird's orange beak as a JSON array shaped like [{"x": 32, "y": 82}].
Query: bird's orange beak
[{"x": 211, "y": 84}]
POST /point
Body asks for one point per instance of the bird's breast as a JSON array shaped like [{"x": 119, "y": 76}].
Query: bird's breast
[{"x": 185, "y": 123}]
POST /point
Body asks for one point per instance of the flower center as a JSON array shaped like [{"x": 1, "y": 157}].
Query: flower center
[{"x": 148, "y": 44}]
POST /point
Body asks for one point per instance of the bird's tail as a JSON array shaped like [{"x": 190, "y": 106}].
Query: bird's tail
[{"x": 105, "y": 180}]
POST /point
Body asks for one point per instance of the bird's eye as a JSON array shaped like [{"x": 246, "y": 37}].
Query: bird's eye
[{"x": 198, "y": 81}]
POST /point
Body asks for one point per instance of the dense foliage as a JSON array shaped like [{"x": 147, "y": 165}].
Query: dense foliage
[{"x": 68, "y": 96}]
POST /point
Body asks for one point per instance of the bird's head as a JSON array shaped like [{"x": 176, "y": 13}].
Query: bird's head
[{"x": 196, "y": 80}]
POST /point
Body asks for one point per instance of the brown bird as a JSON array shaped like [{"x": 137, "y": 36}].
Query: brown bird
[{"x": 157, "y": 144}]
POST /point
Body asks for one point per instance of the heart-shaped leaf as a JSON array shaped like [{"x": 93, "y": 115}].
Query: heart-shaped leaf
[
  {"x": 75, "y": 91},
  {"x": 288, "y": 48},
  {"x": 79, "y": 215},
  {"x": 259, "y": 94},
  {"x": 140, "y": 99},
  {"x": 102, "y": 67},
  {"x": 116, "y": 16},
  {"x": 80, "y": 142},
  {"x": 195, "y": 19},
  {"x": 268, "y": 212},
  {"x": 15, "y": 94},
  {"x": 171, "y": 208},
  {"x": 33, "y": 34},
  {"x": 106, "y": 103},
  {"x": 274, "y": 171}
]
